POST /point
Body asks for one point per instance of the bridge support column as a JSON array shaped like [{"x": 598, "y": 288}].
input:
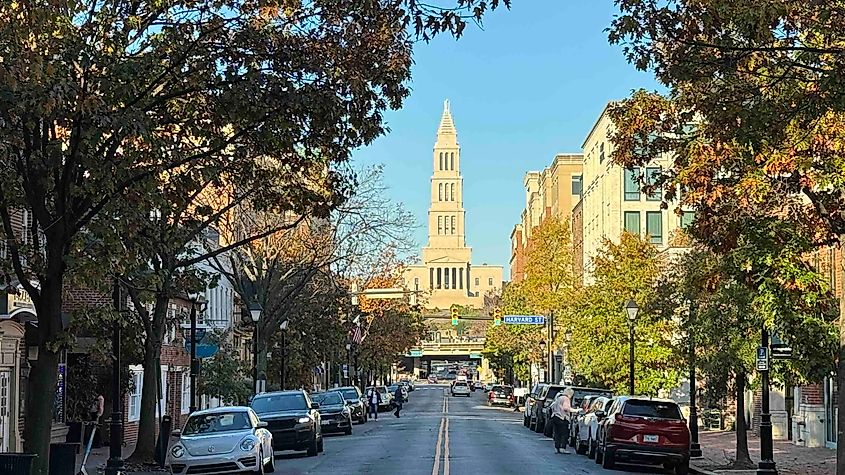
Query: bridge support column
[{"x": 416, "y": 368}]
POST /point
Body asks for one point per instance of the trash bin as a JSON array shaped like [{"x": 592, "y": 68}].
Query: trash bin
[
  {"x": 63, "y": 458},
  {"x": 16, "y": 464}
]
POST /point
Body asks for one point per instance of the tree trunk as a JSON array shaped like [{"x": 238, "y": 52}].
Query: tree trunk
[
  {"x": 840, "y": 371},
  {"x": 743, "y": 459},
  {"x": 145, "y": 447},
  {"x": 41, "y": 385}
]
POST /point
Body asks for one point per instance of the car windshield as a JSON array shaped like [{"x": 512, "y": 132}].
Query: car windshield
[
  {"x": 327, "y": 399},
  {"x": 217, "y": 422},
  {"x": 460, "y": 384},
  {"x": 580, "y": 394},
  {"x": 503, "y": 389},
  {"x": 279, "y": 403},
  {"x": 349, "y": 394},
  {"x": 656, "y": 409}
]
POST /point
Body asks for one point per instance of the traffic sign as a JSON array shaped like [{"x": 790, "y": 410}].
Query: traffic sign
[
  {"x": 204, "y": 350},
  {"x": 762, "y": 358},
  {"x": 415, "y": 353},
  {"x": 475, "y": 356},
  {"x": 524, "y": 319}
]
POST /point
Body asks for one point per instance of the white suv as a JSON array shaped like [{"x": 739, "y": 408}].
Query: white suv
[{"x": 460, "y": 387}]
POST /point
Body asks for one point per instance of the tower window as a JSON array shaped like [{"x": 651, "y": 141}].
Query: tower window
[
  {"x": 490, "y": 282},
  {"x": 441, "y": 161},
  {"x": 440, "y": 225},
  {"x": 451, "y": 160},
  {"x": 454, "y": 277},
  {"x": 440, "y": 191},
  {"x": 452, "y": 192},
  {"x": 453, "y": 225}
]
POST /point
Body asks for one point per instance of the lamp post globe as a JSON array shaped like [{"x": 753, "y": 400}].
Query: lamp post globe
[
  {"x": 255, "y": 311},
  {"x": 632, "y": 309}
]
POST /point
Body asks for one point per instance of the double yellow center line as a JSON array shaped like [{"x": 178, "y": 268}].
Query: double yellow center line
[{"x": 442, "y": 441}]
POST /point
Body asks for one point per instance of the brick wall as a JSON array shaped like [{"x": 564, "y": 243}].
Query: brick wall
[{"x": 812, "y": 394}]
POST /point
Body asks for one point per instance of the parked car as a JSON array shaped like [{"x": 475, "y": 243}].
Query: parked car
[
  {"x": 502, "y": 395},
  {"x": 461, "y": 388},
  {"x": 223, "y": 440},
  {"x": 586, "y": 424},
  {"x": 432, "y": 379},
  {"x": 409, "y": 383},
  {"x": 530, "y": 400},
  {"x": 542, "y": 407},
  {"x": 293, "y": 419},
  {"x": 577, "y": 399},
  {"x": 386, "y": 397},
  {"x": 640, "y": 430},
  {"x": 356, "y": 403},
  {"x": 335, "y": 413}
]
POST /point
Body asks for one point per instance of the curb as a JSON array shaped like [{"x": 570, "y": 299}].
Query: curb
[{"x": 695, "y": 469}]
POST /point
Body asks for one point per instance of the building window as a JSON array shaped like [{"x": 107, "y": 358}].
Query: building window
[
  {"x": 440, "y": 225},
  {"x": 632, "y": 187},
  {"x": 651, "y": 176},
  {"x": 601, "y": 152},
  {"x": 654, "y": 226},
  {"x": 577, "y": 186},
  {"x": 477, "y": 281},
  {"x": 416, "y": 283},
  {"x": 446, "y": 278},
  {"x": 461, "y": 278},
  {"x": 440, "y": 192},
  {"x": 186, "y": 391},
  {"x": 632, "y": 222},
  {"x": 452, "y": 192},
  {"x": 441, "y": 162},
  {"x": 687, "y": 217},
  {"x": 439, "y": 276},
  {"x": 451, "y": 160},
  {"x": 490, "y": 282},
  {"x": 453, "y": 225},
  {"x": 431, "y": 278},
  {"x": 135, "y": 396}
]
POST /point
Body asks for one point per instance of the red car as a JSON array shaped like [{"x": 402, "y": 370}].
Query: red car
[{"x": 644, "y": 431}]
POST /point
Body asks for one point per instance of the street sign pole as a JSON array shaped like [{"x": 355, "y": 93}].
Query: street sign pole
[{"x": 766, "y": 466}]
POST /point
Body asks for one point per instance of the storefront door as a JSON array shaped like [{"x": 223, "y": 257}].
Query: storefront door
[
  {"x": 830, "y": 411},
  {"x": 5, "y": 410}
]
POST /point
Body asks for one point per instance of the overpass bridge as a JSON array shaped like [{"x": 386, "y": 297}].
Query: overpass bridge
[{"x": 420, "y": 357}]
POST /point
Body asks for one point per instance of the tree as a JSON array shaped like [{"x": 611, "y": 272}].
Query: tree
[
  {"x": 599, "y": 347},
  {"x": 88, "y": 119},
  {"x": 224, "y": 375},
  {"x": 514, "y": 348},
  {"x": 549, "y": 279},
  {"x": 753, "y": 116}
]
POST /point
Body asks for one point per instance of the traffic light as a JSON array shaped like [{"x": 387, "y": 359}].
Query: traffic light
[
  {"x": 454, "y": 313},
  {"x": 497, "y": 316}
]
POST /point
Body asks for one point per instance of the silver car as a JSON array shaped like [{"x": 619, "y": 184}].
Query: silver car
[{"x": 221, "y": 441}]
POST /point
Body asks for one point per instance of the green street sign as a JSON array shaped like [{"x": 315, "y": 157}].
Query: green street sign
[
  {"x": 415, "y": 353},
  {"x": 475, "y": 356}
]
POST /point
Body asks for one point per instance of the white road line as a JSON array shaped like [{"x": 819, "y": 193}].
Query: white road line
[
  {"x": 436, "y": 469},
  {"x": 446, "y": 448}
]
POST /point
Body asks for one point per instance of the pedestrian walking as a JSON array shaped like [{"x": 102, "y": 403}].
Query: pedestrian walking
[
  {"x": 398, "y": 399},
  {"x": 95, "y": 412},
  {"x": 561, "y": 411},
  {"x": 373, "y": 399}
]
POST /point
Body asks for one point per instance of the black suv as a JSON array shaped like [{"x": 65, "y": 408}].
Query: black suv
[
  {"x": 356, "y": 403},
  {"x": 292, "y": 418},
  {"x": 541, "y": 409},
  {"x": 528, "y": 417}
]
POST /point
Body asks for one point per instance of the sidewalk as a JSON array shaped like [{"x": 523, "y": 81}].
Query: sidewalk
[
  {"x": 97, "y": 462},
  {"x": 719, "y": 449}
]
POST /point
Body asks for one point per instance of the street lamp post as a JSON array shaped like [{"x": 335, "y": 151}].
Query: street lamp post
[
  {"x": 766, "y": 466},
  {"x": 566, "y": 368},
  {"x": 695, "y": 447},
  {"x": 114, "y": 465},
  {"x": 543, "y": 352},
  {"x": 194, "y": 362},
  {"x": 349, "y": 364},
  {"x": 255, "y": 315},
  {"x": 284, "y": 328},
  {"x": 631, "y": 308}
]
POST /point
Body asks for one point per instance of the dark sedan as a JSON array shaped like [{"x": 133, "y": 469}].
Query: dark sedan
[
  {"x": 335, "y": 414},
  {"x": 356, "y": 403},
  {"x": 293, "y": 419}
]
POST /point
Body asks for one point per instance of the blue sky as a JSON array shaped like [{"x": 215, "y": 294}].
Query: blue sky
[{"x": 527, "y": 86}]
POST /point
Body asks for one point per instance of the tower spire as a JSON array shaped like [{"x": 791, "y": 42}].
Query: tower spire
[{"x": 447, "y": 125}]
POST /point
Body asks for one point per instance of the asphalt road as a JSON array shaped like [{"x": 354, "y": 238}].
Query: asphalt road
[{"x": 439, "y": 434}]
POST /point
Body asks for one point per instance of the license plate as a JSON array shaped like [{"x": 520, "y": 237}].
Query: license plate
[
  {"x": 325, "y": 423},
  {"x": 651, "y": 438}
]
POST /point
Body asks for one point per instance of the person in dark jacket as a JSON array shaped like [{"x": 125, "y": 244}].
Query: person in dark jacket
[{"x": 398, "y": 400}]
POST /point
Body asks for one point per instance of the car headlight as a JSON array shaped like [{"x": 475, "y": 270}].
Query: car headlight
[
  {"x": 248, "y": 444},
  {"x": 177, "y": 451},
  {"x": 303, "y": 420}
]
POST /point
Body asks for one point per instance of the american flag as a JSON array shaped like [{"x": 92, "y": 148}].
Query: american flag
[{"x": 357, "y": 335}]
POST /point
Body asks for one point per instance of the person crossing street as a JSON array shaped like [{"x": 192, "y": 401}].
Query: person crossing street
[
  {"x": 373, "y": 400},
  {"x": 398, "y": 399}
]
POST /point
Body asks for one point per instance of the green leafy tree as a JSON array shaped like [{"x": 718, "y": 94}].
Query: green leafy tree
[
  {"x": 599, "y": 347},
  {"x": 224, "y": 375},
  {"x": 514, "y": 348}
]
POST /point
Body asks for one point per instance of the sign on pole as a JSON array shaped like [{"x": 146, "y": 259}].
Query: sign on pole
[
  {"x": 524, "y": 319},
  {"x": 762, "y": 358}
]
